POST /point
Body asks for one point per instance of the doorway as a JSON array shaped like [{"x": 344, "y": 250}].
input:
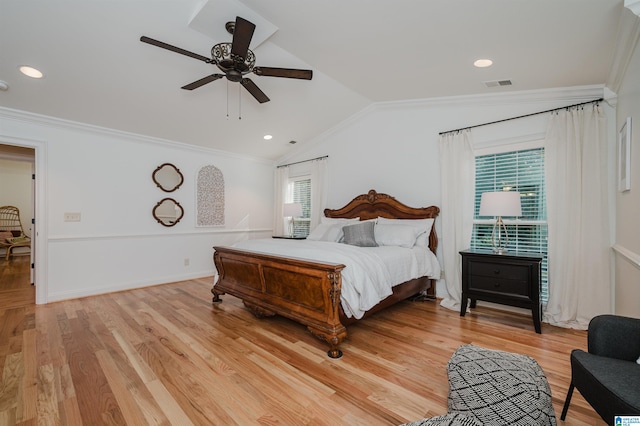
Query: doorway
[{"x": 19, "y": 166}]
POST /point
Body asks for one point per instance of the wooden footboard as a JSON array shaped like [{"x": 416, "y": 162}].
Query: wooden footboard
[
  {"x": 309, "y": 292},
  {"x": 304, "y": 291}
]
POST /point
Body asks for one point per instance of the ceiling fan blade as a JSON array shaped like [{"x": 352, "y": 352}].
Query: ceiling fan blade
[
  {"x": 202, "y": 81},
  {"x": 242, "y": 34},
  {"x": 164, "y": 45},
  {"x": 254, "y": 90},
  {"x": 283, "y": 72}
]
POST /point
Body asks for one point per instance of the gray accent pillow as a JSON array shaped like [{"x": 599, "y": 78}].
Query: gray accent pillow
[{"x": 361, "y": 234}]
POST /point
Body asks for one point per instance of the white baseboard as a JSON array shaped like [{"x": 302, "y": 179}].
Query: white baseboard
[{"x": 68, "y": 295}]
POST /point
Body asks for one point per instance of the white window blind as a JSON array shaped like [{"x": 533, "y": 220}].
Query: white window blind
[
  {"x": 299, "y": 191},
  {"x": 521, "y": 171}
]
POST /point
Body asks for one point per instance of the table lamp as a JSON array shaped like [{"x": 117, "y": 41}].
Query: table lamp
[
  {"x": 292, "y": 210},
  {"x": 500, "y": 203}
]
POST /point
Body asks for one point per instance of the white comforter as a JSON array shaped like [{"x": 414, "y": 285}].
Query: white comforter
[{"x": 370, "y": 272}]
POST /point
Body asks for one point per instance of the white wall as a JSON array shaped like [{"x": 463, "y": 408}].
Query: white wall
[
  {"x": 106, "y": 176},
  {"x": 393, "y": 148},
  {"x": 627, "y": 263}
]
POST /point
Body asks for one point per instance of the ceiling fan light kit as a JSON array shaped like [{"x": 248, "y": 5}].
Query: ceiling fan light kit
[{"x": 235, "y": 60}]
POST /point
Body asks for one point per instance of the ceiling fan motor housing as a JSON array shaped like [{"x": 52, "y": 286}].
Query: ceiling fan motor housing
[{"x": 230, "y": 63}]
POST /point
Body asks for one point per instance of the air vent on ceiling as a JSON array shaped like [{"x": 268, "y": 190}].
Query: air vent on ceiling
[{"x": 496, "y": 83}]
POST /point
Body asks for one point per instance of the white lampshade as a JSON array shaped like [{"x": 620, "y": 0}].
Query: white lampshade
[
  {"x": 501, "y": 203},
  {"x": 292, "y": 210}
]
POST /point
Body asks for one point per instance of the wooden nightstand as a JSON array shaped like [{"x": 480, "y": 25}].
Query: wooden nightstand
[{"x": 510, "y": 279}]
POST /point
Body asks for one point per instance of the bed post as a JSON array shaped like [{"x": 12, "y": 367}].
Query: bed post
[
  {"x": 336, "y": 332},
  {"x": 219, "y": 268}
]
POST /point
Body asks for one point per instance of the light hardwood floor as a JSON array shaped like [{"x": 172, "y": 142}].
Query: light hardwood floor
[{"x": 166, "y": 355}]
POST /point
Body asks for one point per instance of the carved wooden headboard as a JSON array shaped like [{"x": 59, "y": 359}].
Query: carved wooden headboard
[{"x": 372, "y": 205}]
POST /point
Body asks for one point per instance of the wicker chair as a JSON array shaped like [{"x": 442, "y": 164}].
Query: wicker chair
[{"x": 12, "y": 233}]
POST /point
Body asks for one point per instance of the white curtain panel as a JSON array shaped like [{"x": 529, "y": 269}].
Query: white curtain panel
[
  {"x": 577, "y": 214},
  {"x": 281, "y": 181},
  {"x": 319, "y": 178},
  {"x": 458, "y": 171}
]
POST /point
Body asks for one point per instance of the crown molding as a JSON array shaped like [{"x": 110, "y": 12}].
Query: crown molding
[
  {"x": 570, "y": 95},
  {"x": 627, "y": 39},
  {"x": 59, "y": 123},
  {"x": 317, "y": 140}
]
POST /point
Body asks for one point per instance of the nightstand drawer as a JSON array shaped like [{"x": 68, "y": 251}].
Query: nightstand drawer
[
  {"x": 499, "y": 285},
  {"x": 497, "y": 270}
]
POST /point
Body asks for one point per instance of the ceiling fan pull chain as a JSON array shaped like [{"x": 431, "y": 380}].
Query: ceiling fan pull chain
[
  {"x": 239, "y": 104},
  {"x": 227, "y": 99}
]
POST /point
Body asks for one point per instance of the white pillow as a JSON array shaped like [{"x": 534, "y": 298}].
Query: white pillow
[
  {"x": 330, "y": 229},
  {"x": 331, "y": 232},
  {"x": 422, "y": 225},
  {"x": 396, "y": 235}
]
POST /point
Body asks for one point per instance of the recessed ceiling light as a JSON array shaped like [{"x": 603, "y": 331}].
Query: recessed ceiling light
[
  {"x": 267, "y": 137},
  {"x": 31, "y": 72},
  {"x": 483, "y": 63}
]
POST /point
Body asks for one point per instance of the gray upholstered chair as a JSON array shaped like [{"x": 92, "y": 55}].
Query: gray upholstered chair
[{"x": 608, "y": 376}]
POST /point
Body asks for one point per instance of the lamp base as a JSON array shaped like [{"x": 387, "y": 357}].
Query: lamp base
[
  {"x": 291, "y": 229},
  {"x": 499, "y": 243}
]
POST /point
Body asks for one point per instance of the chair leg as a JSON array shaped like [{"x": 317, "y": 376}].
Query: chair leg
[{"x": 566, "y": 402}]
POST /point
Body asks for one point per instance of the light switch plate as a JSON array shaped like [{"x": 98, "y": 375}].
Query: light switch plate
[{"x": 72, "y": 217}]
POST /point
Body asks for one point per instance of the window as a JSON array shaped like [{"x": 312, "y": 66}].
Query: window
[
  {"x": 299, "y": 191},
  {"x": 521, "y": 171}
]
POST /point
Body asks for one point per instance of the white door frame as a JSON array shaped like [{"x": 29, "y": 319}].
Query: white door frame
[{"x": 41, "y": 235}]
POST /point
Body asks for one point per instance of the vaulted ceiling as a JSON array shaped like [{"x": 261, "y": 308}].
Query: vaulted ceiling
[{"x": 98, "y": 72}]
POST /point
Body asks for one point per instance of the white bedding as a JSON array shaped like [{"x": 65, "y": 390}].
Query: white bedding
[{"x": 370, "y": 272}]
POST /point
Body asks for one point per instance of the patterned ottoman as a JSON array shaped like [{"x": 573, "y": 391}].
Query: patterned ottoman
[{"x": 490, "y": 387}]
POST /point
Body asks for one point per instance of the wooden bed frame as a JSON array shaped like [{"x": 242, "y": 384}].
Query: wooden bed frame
[{"x": 308, "y": 292}]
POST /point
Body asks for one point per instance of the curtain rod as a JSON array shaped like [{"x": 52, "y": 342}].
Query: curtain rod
[
  {"x": 523, "y": 116},
  {"x": 303, "y": 161}
]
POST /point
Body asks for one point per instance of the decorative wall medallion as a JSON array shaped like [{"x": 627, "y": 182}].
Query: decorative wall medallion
[{"x": 210, "y": 195}]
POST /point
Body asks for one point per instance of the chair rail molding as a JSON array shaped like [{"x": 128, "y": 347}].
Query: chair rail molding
[{"x": 633, "y": 258}]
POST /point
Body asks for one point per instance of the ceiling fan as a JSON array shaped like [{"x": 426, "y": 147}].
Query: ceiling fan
[{"x": 235, "y": 60}]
